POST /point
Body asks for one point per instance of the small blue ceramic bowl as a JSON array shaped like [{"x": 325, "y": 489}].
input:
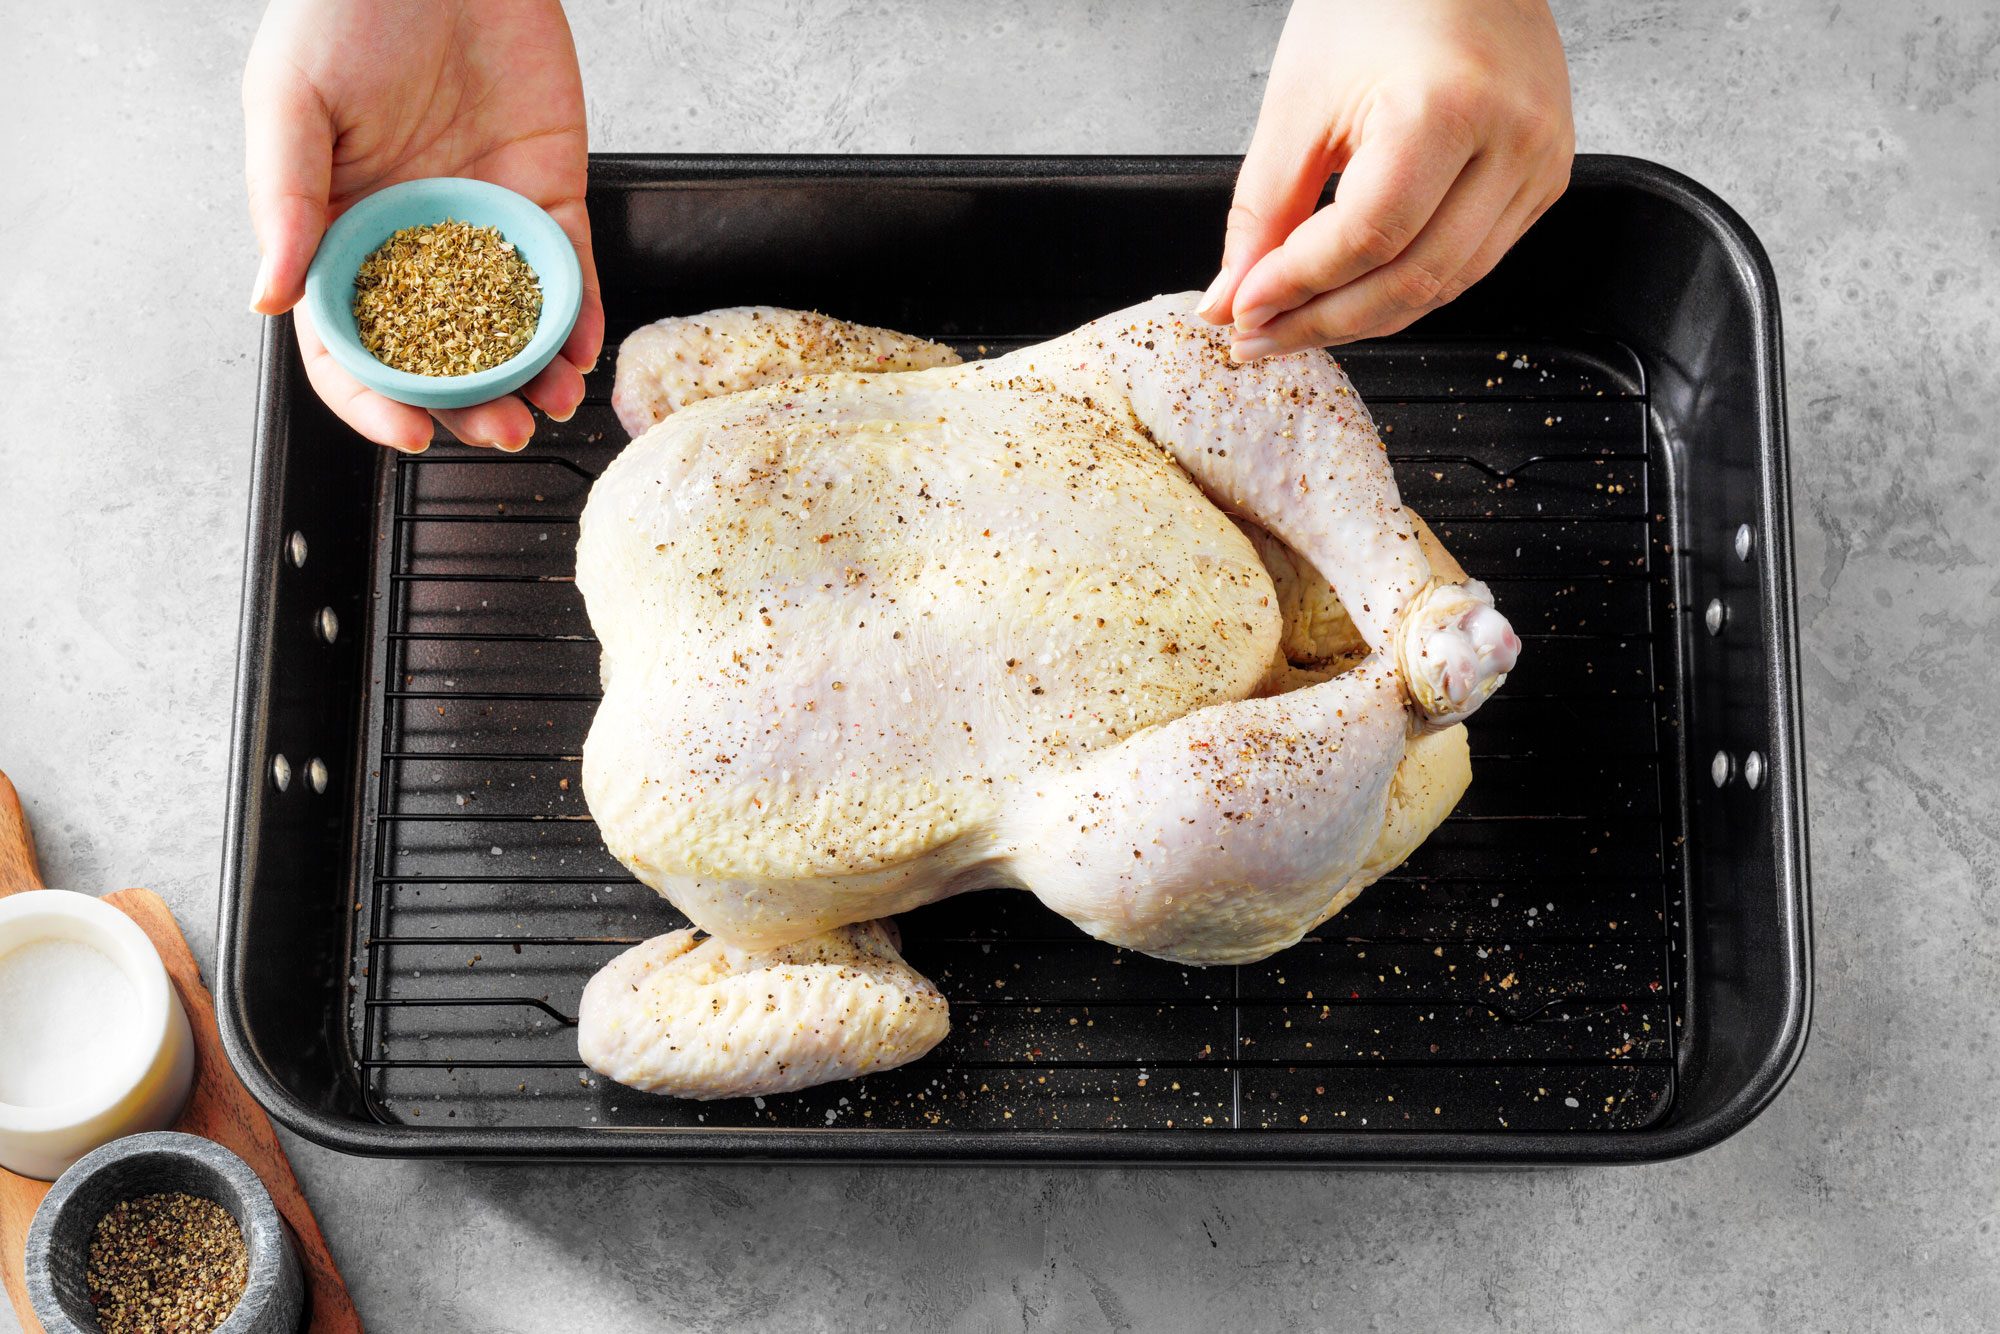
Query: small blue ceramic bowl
[{"x": 358, "y": 232}]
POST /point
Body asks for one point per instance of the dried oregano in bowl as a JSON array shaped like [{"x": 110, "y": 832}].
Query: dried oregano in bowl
[{"x": 448, "y": 298}]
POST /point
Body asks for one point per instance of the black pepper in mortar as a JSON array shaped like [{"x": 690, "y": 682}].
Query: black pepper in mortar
[
  {"x": 166, "y": 1264},
  {"x": 446, "y": 299}
]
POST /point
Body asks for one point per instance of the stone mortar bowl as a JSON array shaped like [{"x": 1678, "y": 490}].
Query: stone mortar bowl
[{"x": 160, "y": 1161}]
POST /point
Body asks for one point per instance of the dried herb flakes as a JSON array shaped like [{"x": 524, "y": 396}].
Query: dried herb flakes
[{"x": 448, "y": 298}]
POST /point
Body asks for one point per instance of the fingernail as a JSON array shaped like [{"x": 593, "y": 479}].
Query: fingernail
[
  {"x": 1252, "y": 320},
  {"x": 259, "y": 283},
  {"x": 509, "y": 449},
  {"x": 1249, "y": 349},
  {"x": 1206, "y": 307}
]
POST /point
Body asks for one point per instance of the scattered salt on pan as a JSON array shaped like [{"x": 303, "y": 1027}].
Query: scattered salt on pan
[{"x": 67, "y": 1014}]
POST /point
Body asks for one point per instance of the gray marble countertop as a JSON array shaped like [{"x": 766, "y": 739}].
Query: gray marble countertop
[{"x": 1863, "y": 144}]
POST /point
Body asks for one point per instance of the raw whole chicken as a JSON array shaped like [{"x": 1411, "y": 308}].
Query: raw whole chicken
[{"x": 1109, "y": 619}]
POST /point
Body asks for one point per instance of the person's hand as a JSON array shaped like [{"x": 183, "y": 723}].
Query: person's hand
[
  {"x": 1449, "y": 123},
  {"x": 343, "y": 97}
]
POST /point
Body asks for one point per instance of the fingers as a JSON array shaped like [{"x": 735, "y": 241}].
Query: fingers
[
  {"x": 1278, "y": 187},
  {"x": 288, "y": 167},
  {"x": 386, "y": 422},
  {"x": 586, "y": 340},
  {"x": 1387, "y": 195},
  {"x": 1433, "y": 269},
  {"x": 1527, "y": 207},
  {"x": 505, "y": 423},
  {"x": 557, "y": 389},
  {"x": 1451, "y": 136},
  {"x": 1276, "y": 190}
]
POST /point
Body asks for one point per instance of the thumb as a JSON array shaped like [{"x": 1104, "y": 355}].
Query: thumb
[
  {"x": 288, "y": 167},
  {"x": 1278, "y": 188}
]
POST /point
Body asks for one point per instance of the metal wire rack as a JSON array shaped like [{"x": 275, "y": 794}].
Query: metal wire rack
[{"x": 1522, "y": 971}]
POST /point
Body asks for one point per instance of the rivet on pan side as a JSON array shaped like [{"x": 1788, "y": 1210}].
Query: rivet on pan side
[
  {"x": 1746, "y": 541},
  {"x": 297, "y": 548},
  {"x": 328, "y": 625},
  {"x": 1716, "y": 616},
  {"x": 1722, "y": 768},
  {"x": 1753, "y": 769},
  {"x": 316, "y": 774},
  {"x": 281, "y": 772}
]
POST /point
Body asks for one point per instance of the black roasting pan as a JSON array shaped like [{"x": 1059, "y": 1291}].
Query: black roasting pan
[{"x": 1602, "y": 956}]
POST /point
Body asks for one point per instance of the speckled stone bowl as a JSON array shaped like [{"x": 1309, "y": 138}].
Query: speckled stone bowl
[{"x": 59, "y": 1239}]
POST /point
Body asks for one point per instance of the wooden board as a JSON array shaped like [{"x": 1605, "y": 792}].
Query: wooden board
[{"x": 220, "y": 1108}]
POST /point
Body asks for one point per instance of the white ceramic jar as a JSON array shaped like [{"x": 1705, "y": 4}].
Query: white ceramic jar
[{"x": 144, "y": 1076}]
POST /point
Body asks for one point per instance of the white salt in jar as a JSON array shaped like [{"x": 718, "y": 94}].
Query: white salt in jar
[{"x": 93, "y": 1041}]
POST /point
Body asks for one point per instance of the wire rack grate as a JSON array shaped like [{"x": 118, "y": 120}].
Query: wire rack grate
[{"x": 1522, "y": 971}]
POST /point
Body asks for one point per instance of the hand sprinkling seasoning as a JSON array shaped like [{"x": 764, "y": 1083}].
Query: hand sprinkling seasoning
[
  {"x": 446, "y": 299},
  {"x": 166, "y": 1264}
]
